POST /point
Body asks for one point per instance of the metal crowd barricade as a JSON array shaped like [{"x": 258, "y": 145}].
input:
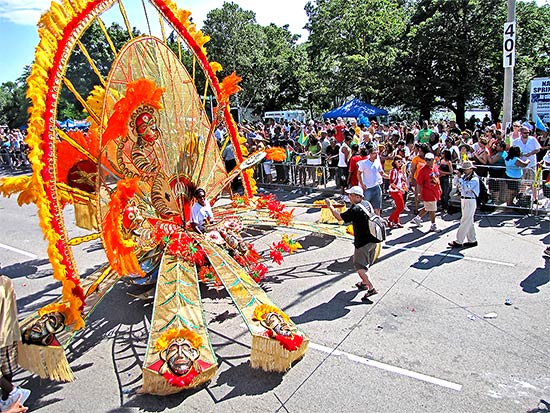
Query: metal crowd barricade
[
  {"x": 296, "y": 176},
  {"x": 524, "y": 195}
]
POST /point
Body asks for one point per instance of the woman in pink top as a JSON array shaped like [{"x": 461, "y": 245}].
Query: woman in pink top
[{"x": 398, "y": 188}]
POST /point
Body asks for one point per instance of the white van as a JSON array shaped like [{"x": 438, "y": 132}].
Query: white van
[{"x": 282, "y": 115}]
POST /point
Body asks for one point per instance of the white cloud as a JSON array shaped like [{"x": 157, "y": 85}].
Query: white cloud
[
  {"x": 23, "y": 13},
  {"x": 282, "y": 12}
]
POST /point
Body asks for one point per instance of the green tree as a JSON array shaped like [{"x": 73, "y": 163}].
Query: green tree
[
  {"x": 14, "y": 105},
  {"x": 80, "y": 72},
  {"x": 352, "y": 46},
  {"x": 442, "y": 52},
  {"x": 532, "y": 53},
  {"x": 266, "y": 57}
]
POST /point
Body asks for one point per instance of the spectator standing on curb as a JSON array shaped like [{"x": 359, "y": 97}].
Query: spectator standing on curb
[
  {"x": 468, "y": 185},
  {"x": 343, "y": 160},
  {"x": 416, "y": 164},
  {"x": 370, "y": 176},
  {"x": 398, "y": 189},
  {"x": 358, "y": 155},
  {"x": 446, "y": 174},
  {"x": 428, "y": 179},
  {"x": 10, "y": 334},
  {"x": 364, "y": 243},
  {"x": 529, "y": 147}
]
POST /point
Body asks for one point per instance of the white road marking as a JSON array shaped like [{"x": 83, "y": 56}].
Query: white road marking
[
  {"x": 463, "y": 257},
  {"x": 25, "y": 253},
  {"x": 388, "y": 367}
]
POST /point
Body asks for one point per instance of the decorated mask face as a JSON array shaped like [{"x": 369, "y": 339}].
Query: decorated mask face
[
  {"x": 146, "y": 127},
  {"x": 275, "y": 322},
  {"x": 44, "y": 329},
  {"x": 132, "y": 217},
  {"x": 180, "y": 356}
]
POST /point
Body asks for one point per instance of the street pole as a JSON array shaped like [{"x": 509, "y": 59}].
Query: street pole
[{"x": 508, "y": 63}]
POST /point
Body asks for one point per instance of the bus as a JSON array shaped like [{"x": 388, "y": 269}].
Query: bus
[{"x": 288, "y": 115}]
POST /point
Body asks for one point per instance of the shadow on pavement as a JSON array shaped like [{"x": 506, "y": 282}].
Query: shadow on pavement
[
  {"x": 537, "y": 278},
  {"x": 27, "y": 269},
  {"x": 329, "y": 311}
]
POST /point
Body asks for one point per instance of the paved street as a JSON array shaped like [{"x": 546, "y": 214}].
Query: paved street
[{"x": 422, "y": 345}]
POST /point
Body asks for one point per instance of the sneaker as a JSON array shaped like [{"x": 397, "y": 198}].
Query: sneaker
[
  {"x": 406, "y": 209},
  {"x": 470, "y": 244},
  {"x": 417, "y": 221},
  {"x": 13, "y": 396},
  {"x": 433, "y": 228}
]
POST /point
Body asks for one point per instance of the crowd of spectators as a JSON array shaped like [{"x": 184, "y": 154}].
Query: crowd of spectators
[
  {"x": 13, "y": 150},
  {"x": 319, "y": 152}
]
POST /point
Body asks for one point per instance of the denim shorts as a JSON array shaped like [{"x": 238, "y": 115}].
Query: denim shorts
[{"x": 374, "y": 196}]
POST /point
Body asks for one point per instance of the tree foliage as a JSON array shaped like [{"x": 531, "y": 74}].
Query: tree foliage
[
  {"x": 416, "y": 54},
  {"x": 352, "y": 46},
  {"x": 266, "y": 57},
  {"x": 13, "y": 102}
]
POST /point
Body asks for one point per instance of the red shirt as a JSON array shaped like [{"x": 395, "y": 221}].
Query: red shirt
[
  {"x": 428, "y": 178},
  {"x": 339, "y": 133},
  {"x": 353, "y": 181}
]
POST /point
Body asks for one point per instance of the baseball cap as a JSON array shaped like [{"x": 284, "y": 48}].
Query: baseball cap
[
  {"x": 356, "y": 190},
  {"x": 429, "y": 156}
]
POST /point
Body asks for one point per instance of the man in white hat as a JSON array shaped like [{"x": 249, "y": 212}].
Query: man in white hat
[
  {"x": 468, "y": 185},
  {"x": 364, "y": 242}
]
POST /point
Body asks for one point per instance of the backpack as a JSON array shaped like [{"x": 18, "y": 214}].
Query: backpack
[
  {"x": 483, "y": 196},
  {"x": 375, "y": 224}
]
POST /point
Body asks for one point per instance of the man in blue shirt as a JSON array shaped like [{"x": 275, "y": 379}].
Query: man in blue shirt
[{"x": 468, "y": 185}]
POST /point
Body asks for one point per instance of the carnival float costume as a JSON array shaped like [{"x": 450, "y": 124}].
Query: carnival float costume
[{"x": 131, "y": 179}]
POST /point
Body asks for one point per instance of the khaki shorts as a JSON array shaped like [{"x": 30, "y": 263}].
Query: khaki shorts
[
  {"x": 363, "y": 257},
  {"x": 8, "y": 357},
  {"x": 430, "y": 206}
]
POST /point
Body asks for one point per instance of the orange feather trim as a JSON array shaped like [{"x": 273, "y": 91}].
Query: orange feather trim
[
  {"x": 68, "y": 155},
  {"x": 229, "y": 86},
  {"x": 276, "y": 154},
  {"x": 120, "y": 251},
  {"x": 58, "y": 308},
  {"x": 167, "y": 337},
  {"x": 142, "y": 91},
  {"x": 263, "y": 309}
]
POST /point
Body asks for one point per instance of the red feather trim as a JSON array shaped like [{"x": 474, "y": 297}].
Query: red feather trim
[
  {"x": 181, "y": 381},
  {"x": 290, "y": 343}
]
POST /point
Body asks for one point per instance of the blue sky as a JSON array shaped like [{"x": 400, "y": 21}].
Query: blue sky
[
  {"x": 18, "y": 33},
  {"x": 18, "y": 18}
]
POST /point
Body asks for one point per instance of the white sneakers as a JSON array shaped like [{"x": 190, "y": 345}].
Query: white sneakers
[
  {"x": 417, "y": 221},
  {"x": 13, "y": 396},
  {"x": 433, "y": 228}
]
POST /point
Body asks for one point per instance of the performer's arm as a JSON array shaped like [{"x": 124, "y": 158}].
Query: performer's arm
[{"x": 334, "y": 212}]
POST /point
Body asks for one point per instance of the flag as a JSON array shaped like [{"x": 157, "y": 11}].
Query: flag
[
  {"x": 302, "y": 139},
  {"x": 540, "y": 126},
  {"x": 289, "y": 151}
]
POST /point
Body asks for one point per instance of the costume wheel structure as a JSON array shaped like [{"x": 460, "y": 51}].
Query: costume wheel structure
[{"x": 131, "y": 180}]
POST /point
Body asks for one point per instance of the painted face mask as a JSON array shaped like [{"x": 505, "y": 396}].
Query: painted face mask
[
  {"x": 275, "y": 322},
  {"x": 44, "y": 329},
  {"x": 146, "y": 127},
  {"x": 180, "y": 356}
]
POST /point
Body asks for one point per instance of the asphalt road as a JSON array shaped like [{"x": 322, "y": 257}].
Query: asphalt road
[{"x": 422, "y": 345}]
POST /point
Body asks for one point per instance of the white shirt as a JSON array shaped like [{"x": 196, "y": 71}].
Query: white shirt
[
  {"x": 200, "y": 213},
  {"x": 342, "y": 158},
  {"x": 529, "y": 146},
  {"x": 370, "y": 172}
]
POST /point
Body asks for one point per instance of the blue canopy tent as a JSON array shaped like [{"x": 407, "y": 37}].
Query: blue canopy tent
[
  {"x": 74, "y": 124},
  {"x": 355, "y": 108}
]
